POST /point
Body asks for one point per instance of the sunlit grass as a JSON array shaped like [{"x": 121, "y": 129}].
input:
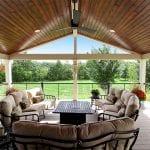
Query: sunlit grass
[{"x": 64, "y": 89}]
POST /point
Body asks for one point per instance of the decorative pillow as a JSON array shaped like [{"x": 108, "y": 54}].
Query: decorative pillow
[
  {"x": 36, "y": 99},
  {"x": 23, "y": 105},
  {"x": 41, "y": 94},
  {"x": 11, "y": 90},
  {"x": 30, "y": 97},
  {"x": 112, "y": 98}
]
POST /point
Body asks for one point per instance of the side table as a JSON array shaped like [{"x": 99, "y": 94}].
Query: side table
[{"x": 93, "y": 100}]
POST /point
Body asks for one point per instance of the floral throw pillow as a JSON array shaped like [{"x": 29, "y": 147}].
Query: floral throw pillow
[{"x": 112, "y": 98}]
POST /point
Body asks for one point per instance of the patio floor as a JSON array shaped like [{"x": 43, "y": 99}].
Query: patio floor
[{"x": 143, "y": 122}]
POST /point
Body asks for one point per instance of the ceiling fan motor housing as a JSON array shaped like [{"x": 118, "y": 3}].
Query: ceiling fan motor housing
[{"x": 74, "y": 1}]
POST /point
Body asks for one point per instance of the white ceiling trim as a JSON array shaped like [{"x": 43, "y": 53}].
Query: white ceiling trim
[
  {"x": 71, "y": 56},
  {"x": 4, "y": 56},
  {"x": 146, "y": 56}
]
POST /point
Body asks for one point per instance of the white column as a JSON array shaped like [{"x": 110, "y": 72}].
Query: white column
[
  {"x": 142, "y": 73},
  {"x": 75, "y": 67},
  {"x": 8, "y": 72}
]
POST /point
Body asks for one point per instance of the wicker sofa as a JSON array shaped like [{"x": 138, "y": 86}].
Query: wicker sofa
[
  {"x": 26, "y": 105},
  {"x": 114, "y": 134},
  {"x": 119, "y": 103}
]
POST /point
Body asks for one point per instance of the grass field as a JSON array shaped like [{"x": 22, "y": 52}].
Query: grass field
[{"x": 64, "y": 89}]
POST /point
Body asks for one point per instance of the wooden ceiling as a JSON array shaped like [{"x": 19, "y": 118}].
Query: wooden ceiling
[{"x": 130, "y": 19}]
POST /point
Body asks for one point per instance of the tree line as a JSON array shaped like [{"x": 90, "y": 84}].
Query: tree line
[{"x": 101, "y": 71}]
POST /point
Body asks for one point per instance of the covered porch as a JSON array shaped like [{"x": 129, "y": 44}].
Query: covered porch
[{"x": 123, "y": 24}]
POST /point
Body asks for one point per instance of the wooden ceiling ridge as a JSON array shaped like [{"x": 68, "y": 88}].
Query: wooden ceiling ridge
[{"x": 129, "y": 19}]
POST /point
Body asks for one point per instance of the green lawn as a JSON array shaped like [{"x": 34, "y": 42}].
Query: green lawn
[{"x": 64, "y": 89}]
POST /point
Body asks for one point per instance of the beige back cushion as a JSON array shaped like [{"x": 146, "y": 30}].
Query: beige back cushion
[
  {"x": 132, "y": 106},
  {"x": 93, "y": 130},
  {"x": 6, "y": 107},
  {"x": 17, "y": 97},
  {"x": 122, "y": 124},
  {"x": 112, "y": 91},
  {"x": 34, "y": 91},
  {"x": 125, "y": 96},
  {"x": 25, "y": 98},
  {"x": 62, "y": 132},
  {"x": 41, "y": 94},
  {"x": 35, "y": 95},
  {"x": 118, "y": 93}
]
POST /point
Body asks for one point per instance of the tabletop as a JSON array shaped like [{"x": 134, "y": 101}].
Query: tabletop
[{"x": 73, "y": 107}]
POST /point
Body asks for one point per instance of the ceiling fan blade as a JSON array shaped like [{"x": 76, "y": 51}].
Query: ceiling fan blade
[
  {"x": 87, "y": 29},
  {"x": 65, "y": 28}
]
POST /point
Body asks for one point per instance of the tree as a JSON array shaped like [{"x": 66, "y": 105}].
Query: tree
[
  {"x": 103, "y": 71},
  {"x": 123, "y": 69},
  {"x": 2, "y": 76},
  {"x": 133, "y": 69},
  {"x": 59, "y": 71},
  {"x": 148, "y": 71},
  {"x": 27, "y": 70},
  {"x": 21, "y": 70},
  {"x": 82, "y": 71},
  {"x": 67, "y": 72}
]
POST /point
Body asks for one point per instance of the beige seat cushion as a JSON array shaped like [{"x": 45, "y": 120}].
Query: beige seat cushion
[
  {"x": 49, "y": 104},
  {"x": 112, "y": 108},
  {"x": 101, "y": 102},
  {"x": 35, "y": 107}
]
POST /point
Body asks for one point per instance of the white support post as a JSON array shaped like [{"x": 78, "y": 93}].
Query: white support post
[
  {"x": 142, "y": 75},
  {"x": 8, "y": 72},
  {"x": 75, "y": 68}
]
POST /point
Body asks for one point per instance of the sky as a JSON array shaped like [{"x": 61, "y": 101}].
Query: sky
[{"x": 65, "y": 46}]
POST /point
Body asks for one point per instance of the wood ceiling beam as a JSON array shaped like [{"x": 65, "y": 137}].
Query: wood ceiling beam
[{"x": 71, "y": 56}]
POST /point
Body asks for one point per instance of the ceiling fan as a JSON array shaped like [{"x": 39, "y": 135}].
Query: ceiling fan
[{"x": 74, "y": 24}]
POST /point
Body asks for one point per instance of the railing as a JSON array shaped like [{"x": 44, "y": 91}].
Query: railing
[{"x": 65, "y": 90}]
